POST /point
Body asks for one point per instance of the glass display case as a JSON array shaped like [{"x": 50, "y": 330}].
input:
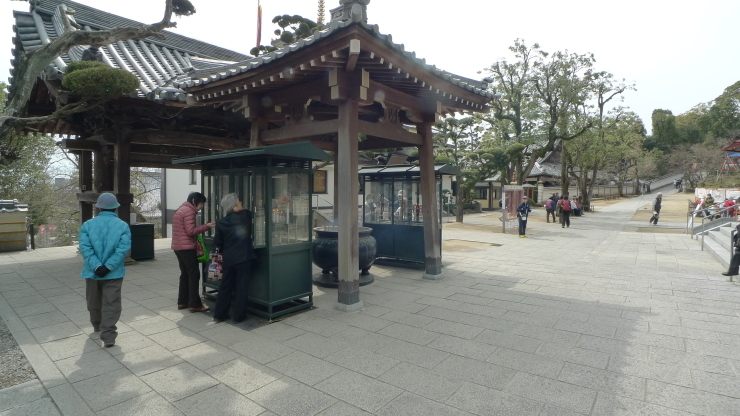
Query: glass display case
[
  {"x": 391, "y": 206},
  {"x": 275, "y": 184}
]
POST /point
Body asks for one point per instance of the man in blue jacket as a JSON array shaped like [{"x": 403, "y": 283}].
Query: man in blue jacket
[
  {"x": 104, "y": 242},
  {"x": 522, "y": 211}
]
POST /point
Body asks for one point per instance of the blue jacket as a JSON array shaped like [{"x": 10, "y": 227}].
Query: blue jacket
[
  {"x": 523, "y": 209},
  {"x": 104, "y": 240}
]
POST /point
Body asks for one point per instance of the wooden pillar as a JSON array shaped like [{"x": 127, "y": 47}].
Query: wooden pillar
[
  {"x": 102, "y": 179},
  {"x": 258, "y": 124},
  {"x": 348, "y": 188},
  {"x": 335, "y": 207},
  {"x": 429, "y": 210},
  {"x": 86, "y": 184},
  {"x": 122, "y": 176}
]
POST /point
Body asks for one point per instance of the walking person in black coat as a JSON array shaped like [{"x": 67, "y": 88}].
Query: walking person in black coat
[
  {"x": 522, "y": 211},
  {"x": 234, "y": 241},
  {"x": 656, "y": 209},
  {"x": 735, "y": 261}
]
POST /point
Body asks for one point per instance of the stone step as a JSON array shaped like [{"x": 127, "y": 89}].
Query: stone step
[
  {"x": 718, "y": 251},
  {"x": 720, "y": 237},
  {"x": 727, "y": 230}
]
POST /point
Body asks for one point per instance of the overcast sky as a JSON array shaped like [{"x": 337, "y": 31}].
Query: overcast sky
[{"x": 678, "y": 53}]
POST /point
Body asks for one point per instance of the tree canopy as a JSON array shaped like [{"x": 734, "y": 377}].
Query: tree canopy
[{"x": 291, "y": 29}]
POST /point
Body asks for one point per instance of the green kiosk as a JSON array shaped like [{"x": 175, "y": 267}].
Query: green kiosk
[
  {"x": 392, "y": 208},
  {"x": 275, "y": 183}
]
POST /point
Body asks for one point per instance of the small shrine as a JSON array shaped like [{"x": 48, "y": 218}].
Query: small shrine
[{"x": 346, "y": 88}]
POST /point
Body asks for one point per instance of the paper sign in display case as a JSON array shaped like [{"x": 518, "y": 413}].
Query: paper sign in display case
[
  {"x": 392, "y": 207},
  {"x": 275, "y": 184}
]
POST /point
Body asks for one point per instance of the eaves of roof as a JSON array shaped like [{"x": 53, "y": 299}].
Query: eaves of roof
[{"x": 206, "y": 77}]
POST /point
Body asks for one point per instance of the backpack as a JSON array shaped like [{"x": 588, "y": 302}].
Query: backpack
[
  {"x": 548, "y": 205},
  {"x": 566, "y": 204}
]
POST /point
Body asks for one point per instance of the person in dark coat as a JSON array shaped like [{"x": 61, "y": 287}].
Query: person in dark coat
[
  {"x": 522, "y": 212},
  {"x": 564, "y": 206},
  {"x": 234, "y": 241},
  {"x": 735, "y": 261},
  {"x": 656, "y": 209}
]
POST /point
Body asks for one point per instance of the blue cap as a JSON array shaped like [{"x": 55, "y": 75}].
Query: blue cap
[{"x": 107, "y": 201}]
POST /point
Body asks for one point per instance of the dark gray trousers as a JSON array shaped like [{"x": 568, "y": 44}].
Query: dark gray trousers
[{"x": 104, "y": 304}]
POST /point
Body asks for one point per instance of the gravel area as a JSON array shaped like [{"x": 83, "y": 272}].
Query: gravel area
[{"x": 14, "y": 367}]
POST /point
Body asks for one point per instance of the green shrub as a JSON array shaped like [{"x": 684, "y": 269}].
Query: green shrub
[
  {"x": 100, "y": 81},
  {"x": 77, "y": 65}
]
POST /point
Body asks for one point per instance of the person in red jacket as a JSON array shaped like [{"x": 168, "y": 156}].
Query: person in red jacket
[{"x": 184, "y": 232}]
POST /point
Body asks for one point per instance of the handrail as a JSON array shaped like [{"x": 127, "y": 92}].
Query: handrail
[
  {"x": 703, "y": 229},
  {"x": 717, "y": 212},
  {"x": 331, "y": 204}
]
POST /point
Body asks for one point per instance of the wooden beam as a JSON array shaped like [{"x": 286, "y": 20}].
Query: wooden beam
[
  {"x": 297, "y": 94},
  {"x": 338, "y": 84},
  {"x": 169, "y": 151},
  {"x": 384, "y": 94},
  {"x": 155, "y": 165},
  {"x": 92, "y": 197},
  {"x": 354, "y": 53},
  {"x": 77, "y": 144},
  {"x": 376, "y": 143},
  {"x": 184, "y": 139},
  {"x": 172, "y": 151},
  {"x": 300, "y": 130},
  {"x": 388, "y": 131}
]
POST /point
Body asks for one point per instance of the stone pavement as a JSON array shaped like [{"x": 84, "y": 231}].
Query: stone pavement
[{"x": 587, "y": 320}]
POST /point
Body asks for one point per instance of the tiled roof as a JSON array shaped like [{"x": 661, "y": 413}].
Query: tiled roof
[
  {"x": 546, "y": 169},
  {"x": 157, "y": 64},
  {"x": 98, "y": 19},
  {"x": 165, "y": 68},
  {"x": 206, "y": 77}
]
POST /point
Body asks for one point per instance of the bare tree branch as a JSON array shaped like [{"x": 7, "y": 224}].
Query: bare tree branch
[{"x": 30, "y": 64}]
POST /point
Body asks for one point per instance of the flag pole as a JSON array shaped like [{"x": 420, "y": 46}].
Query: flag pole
[{"x": 259, "y": 23}]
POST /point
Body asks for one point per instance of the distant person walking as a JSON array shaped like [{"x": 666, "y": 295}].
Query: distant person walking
[
  {"x": 550, "y": 208},
  {"x": 656, "y": 209},
  {"x": 522, "y": 212},
  {"x": 184, "y": 234},
  {"x": 564, "y": 206},
  {"x": 104, "y": 242}
]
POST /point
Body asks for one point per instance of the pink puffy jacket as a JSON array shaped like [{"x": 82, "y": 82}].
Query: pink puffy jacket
[{"x": 184, "y": 229}]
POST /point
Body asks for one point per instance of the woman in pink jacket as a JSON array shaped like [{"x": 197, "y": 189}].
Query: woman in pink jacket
[{"x": 184, "y": 234}]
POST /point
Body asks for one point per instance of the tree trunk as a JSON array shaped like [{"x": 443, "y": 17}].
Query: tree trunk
[
  {"x": 564, "y": 178},
  {"x": 586, "y": 202},
  {"x": 460, "y": 200}
]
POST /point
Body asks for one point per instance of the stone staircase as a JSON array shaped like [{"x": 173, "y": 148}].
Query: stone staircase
[{"x": 718, "y": 241}]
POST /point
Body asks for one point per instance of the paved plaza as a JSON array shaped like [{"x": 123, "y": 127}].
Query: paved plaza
[{"x": 607, "y": 317}]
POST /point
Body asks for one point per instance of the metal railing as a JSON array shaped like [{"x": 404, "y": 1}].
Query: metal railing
[
  {"x": 319, "y": 197},
  {"x": 709, "y": 216}
]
